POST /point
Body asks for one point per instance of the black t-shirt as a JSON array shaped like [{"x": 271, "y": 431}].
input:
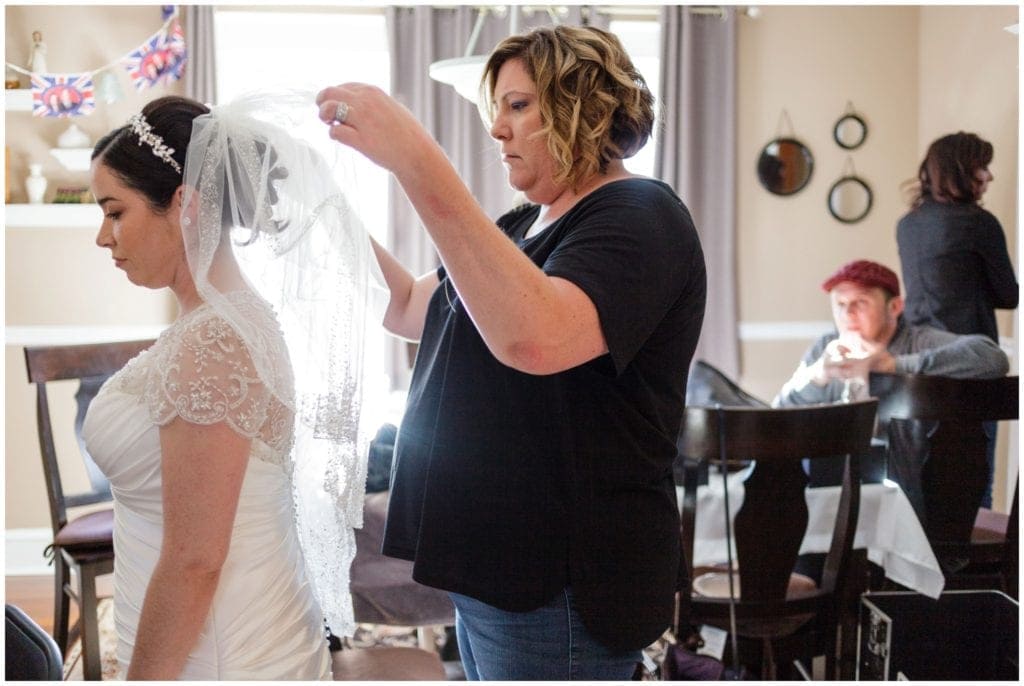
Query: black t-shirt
[{"x": 507, "y": 486}]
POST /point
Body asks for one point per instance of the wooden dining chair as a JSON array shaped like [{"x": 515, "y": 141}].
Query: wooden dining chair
[
  {"x": 937, "y": 453},
  {"x": 383, "y": 590},
  {"x": 384, "y": 593},
  {"x": 779, "y": 616},
  {"x": 83, "y": 544},
  {"x": 994, "y": 553}
]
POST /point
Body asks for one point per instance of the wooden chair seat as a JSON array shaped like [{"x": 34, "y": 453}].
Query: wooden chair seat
[
  {"x": 988, "y": 537},
  {"x": 713, "y": 582},
  {"x": 88, "y": 532},
  {"x": 387, "y": 663},
  {"x": 989, "y": 525}
]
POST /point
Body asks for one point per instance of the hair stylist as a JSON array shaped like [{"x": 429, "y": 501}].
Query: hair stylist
[{"x": 533, "y": 467}]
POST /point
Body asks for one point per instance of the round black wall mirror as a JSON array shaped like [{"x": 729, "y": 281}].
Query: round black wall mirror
[
  {"x": 785, "y": 166},
  {"x": 849, "y": 199},
  {"x": 850, "y": 131}
]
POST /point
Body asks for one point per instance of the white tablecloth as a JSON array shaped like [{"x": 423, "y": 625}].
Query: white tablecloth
[{"x": 887, "y": 526}]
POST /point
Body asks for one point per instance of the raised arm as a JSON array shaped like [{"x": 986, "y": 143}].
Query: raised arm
[
  {"x": 529, "y": 321},
  {"x": 202, "y": 469},
  {"x": 407, "y": 308}
]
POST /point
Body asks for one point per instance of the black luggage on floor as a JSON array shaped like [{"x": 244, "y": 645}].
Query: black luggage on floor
[{"x": 963, "y": 635}]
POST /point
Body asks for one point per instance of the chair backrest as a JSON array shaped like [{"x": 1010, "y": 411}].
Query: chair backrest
[
  {"x": 29, "y": 652},
  {"x": 708, "y": 386},
  {"x": 91, "y": 365},
  {"x": 924, "y": 396},
  {"x": 771, "y": 523},
  {"x": 943, "y": 468}
]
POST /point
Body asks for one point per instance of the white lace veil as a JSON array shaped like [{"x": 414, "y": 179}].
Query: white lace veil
[{"x": 255, "y": 163}]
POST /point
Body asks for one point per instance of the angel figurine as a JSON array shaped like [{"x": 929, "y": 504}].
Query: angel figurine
[{"x": 37, "y": 56}]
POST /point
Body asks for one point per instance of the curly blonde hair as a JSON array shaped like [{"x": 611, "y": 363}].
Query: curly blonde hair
[{"x": 594, "y": 104}]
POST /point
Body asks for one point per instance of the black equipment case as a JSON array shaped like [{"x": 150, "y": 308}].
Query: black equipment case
[{"x": 963, "y": 635}]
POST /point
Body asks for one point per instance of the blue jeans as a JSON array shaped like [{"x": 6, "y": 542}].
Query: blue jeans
[
  {"x": 990, "y": 454},
  {"x": 546, "y": 644}
]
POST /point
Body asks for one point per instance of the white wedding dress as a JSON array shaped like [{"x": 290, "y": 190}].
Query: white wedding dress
[{"x": 264, "y": 622}]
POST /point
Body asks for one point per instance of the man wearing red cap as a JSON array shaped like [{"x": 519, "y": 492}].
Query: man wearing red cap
[{"x": 871, "y": 336}]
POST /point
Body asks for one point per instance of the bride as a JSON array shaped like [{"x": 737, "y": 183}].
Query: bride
[{"x": 233, "y": 445}]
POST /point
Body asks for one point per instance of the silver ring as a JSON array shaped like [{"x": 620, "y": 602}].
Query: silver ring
[{"x": 341, "y": 112}]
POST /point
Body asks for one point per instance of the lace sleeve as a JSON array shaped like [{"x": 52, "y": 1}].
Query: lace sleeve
[{"x": 205, "y": 375}]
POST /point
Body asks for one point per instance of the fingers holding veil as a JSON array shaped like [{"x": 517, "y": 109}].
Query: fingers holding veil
[
  {"x": 336, "y": 105},
  {"x": 370, "y": 121}
]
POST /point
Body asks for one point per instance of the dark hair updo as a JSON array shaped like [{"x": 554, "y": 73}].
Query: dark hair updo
[{"x": 136, "y": 166}]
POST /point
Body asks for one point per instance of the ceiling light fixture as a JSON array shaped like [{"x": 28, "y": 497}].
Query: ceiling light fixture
[{"x": 464, "y": 73}]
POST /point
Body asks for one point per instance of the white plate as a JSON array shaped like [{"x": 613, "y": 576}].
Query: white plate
[{"x": 716, "y": 585}]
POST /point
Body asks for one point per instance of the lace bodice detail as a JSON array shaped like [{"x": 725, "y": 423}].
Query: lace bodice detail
[{"x": 200, "y": 370}]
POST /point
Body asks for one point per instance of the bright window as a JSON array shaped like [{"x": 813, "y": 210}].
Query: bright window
[
  {"x": 640, "y": 38},
  {"x": 278, "y": 47},
  {"x": 268, "y": 48}
]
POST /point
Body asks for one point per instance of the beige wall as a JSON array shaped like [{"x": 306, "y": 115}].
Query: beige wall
[
  {"x": 57, "y": 276},
  {"x": 812, "y": 61},
  {"x": 914, "y": 73},
  {"x": 911, "y": 72}
]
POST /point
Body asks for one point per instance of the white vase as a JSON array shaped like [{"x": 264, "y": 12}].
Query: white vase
[
  {"x": 35, "y": 184},
  {"x": 73, "y": 137}
]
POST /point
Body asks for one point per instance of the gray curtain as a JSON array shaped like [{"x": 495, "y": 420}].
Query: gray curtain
[
  {"x": 201, "y": 66},
  {"x": 417, "y": 37},
  {"x": 696, "y": 156}
]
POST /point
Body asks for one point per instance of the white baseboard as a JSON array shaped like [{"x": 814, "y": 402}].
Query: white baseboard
[
  {"x": 23, "y": 552},
  {"x": 784, "y": 331}
]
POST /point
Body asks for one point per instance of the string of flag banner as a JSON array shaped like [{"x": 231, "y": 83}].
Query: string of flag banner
[{"x": 160, "y": 59}]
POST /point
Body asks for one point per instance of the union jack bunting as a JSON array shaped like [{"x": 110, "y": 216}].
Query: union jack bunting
[
  {"x": 162, "y": 57},
  {"x": 62, "y": 95}
]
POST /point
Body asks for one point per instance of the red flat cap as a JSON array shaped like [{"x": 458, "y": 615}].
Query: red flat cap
[{"x": 867, "y": 274}]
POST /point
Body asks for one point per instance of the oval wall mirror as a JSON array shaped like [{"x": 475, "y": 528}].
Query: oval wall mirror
[
  {"x": 849, "y": 199},
  {"x": 850, "y": 131},
  {"x": 785, "y": 166}
]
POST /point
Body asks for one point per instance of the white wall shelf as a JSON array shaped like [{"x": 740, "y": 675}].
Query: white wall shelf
[
  {"x": 73, "y": 159},
  {"x": 53, "y": 216},
  {"x": 18, "y": 99}
]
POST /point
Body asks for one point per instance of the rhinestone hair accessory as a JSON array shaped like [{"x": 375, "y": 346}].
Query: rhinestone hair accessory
[{"x": 141, "y": 128}]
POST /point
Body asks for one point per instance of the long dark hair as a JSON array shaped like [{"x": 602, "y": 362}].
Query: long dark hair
[
  {"x": 947, "y": 172},
  {"x": 136, "y": 166}
]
